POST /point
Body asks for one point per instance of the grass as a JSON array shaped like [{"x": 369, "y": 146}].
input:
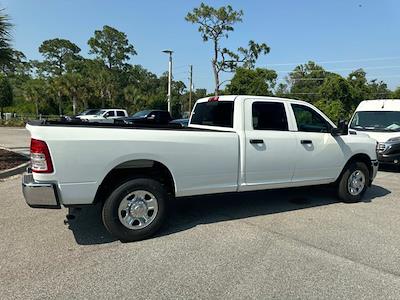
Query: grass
[{"x": 13, "y": 123}]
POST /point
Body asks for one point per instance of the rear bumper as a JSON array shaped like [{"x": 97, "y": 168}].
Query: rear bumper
[{"x": 39, "y": 194}]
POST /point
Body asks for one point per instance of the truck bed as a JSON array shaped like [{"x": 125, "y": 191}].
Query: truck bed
[
  {"x": 201, "y": 161},
  {"x": 74, "y": 123}
]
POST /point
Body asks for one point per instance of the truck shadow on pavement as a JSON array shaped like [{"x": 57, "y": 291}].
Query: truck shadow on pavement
[{"x": 188, "y": 212}]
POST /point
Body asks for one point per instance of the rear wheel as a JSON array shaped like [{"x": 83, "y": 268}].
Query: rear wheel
[
  {"x": 135, "y": 210},
  {"x": 353, "y": 183}
]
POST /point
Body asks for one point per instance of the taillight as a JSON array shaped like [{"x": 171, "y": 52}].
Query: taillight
[
  {"x": 40, "y": 157},
  {"x": 213, "y": 99}
]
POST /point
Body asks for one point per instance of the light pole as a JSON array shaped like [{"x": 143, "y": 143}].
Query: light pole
[{"x": 169, "y": 77}]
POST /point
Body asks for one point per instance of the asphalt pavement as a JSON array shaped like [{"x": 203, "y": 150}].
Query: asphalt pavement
[{"x": 284, "y": 244}]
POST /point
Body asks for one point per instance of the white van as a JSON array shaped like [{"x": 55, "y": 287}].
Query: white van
[{"x": 380, "y": 119}]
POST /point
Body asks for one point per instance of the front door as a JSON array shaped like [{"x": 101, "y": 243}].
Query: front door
[{"x": 319, "y": 155}]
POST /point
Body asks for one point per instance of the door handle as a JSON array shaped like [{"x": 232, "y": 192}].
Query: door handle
[
  {"x": 256, "y": 141},
  {"x": 305, "y": 142}
]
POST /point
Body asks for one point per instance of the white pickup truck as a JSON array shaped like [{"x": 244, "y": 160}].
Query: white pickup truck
[
  {"x": 232, "y": 144},
  {"x": 105, "y": 115}
]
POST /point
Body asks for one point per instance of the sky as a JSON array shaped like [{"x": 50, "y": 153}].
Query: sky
[{"x": 341, "y": 35}]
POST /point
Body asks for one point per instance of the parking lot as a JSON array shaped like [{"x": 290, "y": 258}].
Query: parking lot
[{"x": 299, "y": 243}]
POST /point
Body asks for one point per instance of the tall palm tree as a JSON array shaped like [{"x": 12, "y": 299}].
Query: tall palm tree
[
  {"x": 134, "y": 99},
  {"x": 33, "y": 91},
  {"x": 5, "y": 39},
  {"x": 75, "y": 88}
]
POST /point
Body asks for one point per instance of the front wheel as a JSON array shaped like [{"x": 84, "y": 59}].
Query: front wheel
[
  {"x": 135, "y": 210},
  {"x": 353, "y": 183}
]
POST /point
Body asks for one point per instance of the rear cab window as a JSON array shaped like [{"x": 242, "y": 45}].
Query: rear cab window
[{"x": 213, "y": 113}]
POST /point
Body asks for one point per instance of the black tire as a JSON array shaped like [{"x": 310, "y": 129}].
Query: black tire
[
  {"x": 110, "y": 212},
  {"x": 343, "y": 190}
]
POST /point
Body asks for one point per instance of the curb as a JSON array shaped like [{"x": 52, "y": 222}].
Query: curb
[
  {"x": 20, "y": 153},
  {"x": 16, "y": 170}
]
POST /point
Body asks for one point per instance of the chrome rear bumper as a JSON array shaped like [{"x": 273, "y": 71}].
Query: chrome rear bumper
[{"x": 38, "y": 194}]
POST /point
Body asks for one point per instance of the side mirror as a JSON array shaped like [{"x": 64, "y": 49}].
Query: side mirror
[{"x": 342, "y": 128}]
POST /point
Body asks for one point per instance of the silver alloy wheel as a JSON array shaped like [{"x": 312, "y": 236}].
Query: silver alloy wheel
[
  {"x": 138, "y": 209},
  {"x": 356, "y": 183}
]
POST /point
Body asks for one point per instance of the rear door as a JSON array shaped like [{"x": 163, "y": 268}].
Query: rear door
[
  {"x": 165, "y": 117},
  {"x": 269, "y": 144},
  {"x": 319, "y": 154},
  {"x": 120, "y": 114}
]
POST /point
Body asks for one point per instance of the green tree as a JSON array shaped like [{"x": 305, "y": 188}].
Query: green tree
[
  {"x": 178, "y": 99},
  {"x": 18, "y": 71},
  {"x": 364, "y": 89},
  {"x": 73, "y": 86},
  {"x": 282, "y": 90},
  {"x": 134, "y": 99},
  {"x": 396, "y": 93},
  {"x": 305, "y": 81},
  {"x": 252, "y": 82},
  {"x": 338, "y": 88},
  {"x": 378, "y": 90},
  {"x": 111, "y": 46},
  {"x": 57, "y": 54},
  {"x": 200, "y": 93},
  {"x": 57, "y": 89},
  {"x": 5, "y": 39},
  {"x": 333, "y": 109},
  {"x": 214, "y": 24},
  {"x": 359, "y": 82},
  {"x": 95, "y": 77},
  {"x": 18, "y": 66},
  {"x": 336, "y": 97},
  {"x": 34, "y": 91},
  {"x": 6, "y": 93}
]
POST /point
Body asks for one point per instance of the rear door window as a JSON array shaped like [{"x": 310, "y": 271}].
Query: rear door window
[
  {"x": 269, "y": 116},
  {"x": 120, "y": 113},
  {"x": 213, "y": 113},
  {"x": 164, "y": 117}
]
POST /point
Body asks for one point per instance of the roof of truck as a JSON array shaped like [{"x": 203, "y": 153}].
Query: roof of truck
[
  {"x": 237, "y": 97},
  {"x": 379, "y": 105}
]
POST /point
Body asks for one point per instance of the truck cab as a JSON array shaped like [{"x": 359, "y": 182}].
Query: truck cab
[{"x": 284, "y": 142}]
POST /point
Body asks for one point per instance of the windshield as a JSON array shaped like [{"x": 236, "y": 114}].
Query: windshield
[
  {"x": 376, "y": 121},
  {"x": 142, "y": 113},
  {"x": 100, "y": 112},
  {"x": 88, "y": 112}
]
